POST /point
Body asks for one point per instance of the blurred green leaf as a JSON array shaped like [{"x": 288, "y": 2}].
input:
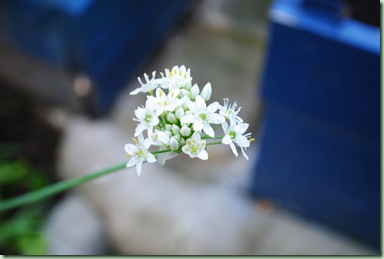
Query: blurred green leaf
[
  {"x": 22, "y": 232},
  {"x": 12, "y": 171},
  {"x": 34, "y": 244},
  {"x": 36, "y": 179}
]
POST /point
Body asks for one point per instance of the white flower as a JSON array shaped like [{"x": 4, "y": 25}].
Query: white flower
[
  {"x": 234, "y": 134},
  {"x": 179, "y": 120},
  {"x": 202, "y": 116},
  {"x": 149, "y": 86},
  {"x": 230, "y": 112},
  {"x": 148, "y": 117},
  {"x": 195, "y": 147},
  {"x": 139, "y": 153},
  {"x": 166, "y": 102},
  {"x": 165, "y": 142},
  {"x": 178, "y": 77}
]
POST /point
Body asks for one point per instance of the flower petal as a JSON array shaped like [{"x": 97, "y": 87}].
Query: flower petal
[
  {"x": 242, "y": 141},
  {"x": 203, "y": 155},
  {"x": 151, "y": 158},
  {"x": 200, "y": 102},
  {"x": 197, "y": 125},
  {"x": 136, "y": 91},
  {"x": 133, "y": 161},
  {"x": 226, "y": 140},
  {"x": 129, "y": 148},
  {"x": 233, "y": 147},
  {"x": 188, "y": 118},
  {"x": 138, "y": 167},
  {"x": 244, "y": 154},
  {"x": 213, "y": 107},
  {"x": 209, "y": 130},
  {"x": 215, "y": 118},
  {"x": 241, "y": 128}
]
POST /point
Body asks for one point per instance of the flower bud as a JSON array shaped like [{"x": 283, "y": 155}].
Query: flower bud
[
  {"x": 169, "y": 133},
  {"x": 185, "y": 131},
  {"x": 179, "y": 113},
  {"x": 173, "y": 144},
  {"x": 206, "y": 92},
  {"x": 182, "y": 142},
  {"x": 161, "y": 138},
  {"x": 168, "y": 127},
  {"x": 177, "y": 137},
  {"x": 194, "y": 91},
  {"x": 175, "y": 129},
  {"x": 171, "y": 117},
  {"x": 183, "y": 92}
]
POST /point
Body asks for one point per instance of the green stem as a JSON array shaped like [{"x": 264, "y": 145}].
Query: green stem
[
  {"x": 61, "y": 186},
  {"x": 208, "y": 137},
  {"x": 216, "y": 127},
  {"x": 155, "y": 153},
  {"x": 56, "y": 188},
  {"x": 214, "y": 143}
]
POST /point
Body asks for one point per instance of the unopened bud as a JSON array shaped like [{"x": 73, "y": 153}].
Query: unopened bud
[
  {"x": 171, "y": 117},
  {"x": 185, "y": 131},
  {"x": 175, "y": 129},
  {"x": 206, "y": 92},
  {"x": 179, "y": 113},
  {"x": 173, "y": 144},
  {"x": 194, "y": 91}
]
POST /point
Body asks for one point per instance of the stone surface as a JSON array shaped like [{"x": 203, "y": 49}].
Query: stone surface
[{"x": 74, "y": 228}]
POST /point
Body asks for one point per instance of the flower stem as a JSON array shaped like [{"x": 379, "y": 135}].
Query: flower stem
[
  {"x": 208, "y": 137},
  {"x": 155, "y": 153},
  {"x": 56, "y": 188},
  {"x": 214, "y": 143}
]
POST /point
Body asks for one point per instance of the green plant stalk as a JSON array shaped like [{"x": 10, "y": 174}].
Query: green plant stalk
[
  {"x": 50, "y": 190},
  {"x": 56, "y": 188}
]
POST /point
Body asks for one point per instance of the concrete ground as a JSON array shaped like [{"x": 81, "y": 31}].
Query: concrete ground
[{"x": 224, "y": 43}]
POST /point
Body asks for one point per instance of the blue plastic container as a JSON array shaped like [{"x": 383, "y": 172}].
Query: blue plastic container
[
  {"x": 320, "y": 143},
  {"x": 108, "y": 40}
]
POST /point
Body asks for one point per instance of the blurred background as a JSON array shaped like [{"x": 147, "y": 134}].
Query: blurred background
[{"x": 305, "y": 72}]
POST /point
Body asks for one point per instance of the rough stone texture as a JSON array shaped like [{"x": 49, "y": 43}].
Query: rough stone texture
[
  {"x": 191, "y": 206},
  {"x": 75, "y": 228}
]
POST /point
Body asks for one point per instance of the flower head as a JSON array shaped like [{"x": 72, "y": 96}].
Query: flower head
[
  {"x": 195, "y": 147},
  {"x": 165, "y": 102},
  {"x": 202, "y": 116},
  {"x": 234, "y": 134},
  {"x": 229, "y": 111},
  {"x": 148, "y": 117},
  {"x": 176, "y": 119},
  {"x": 178, "y": 77},
  {"x": 148, "y": 86},
  {"x": 139, "y": 153}
]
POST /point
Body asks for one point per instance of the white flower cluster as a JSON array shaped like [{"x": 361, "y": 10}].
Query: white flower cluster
[{"x": 180, "y": 121}]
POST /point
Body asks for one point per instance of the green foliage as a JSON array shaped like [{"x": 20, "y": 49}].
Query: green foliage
[{"x": 20, "y": 230}]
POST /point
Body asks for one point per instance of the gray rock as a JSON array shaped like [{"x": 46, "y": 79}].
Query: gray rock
[{"x": 74, "y": 228}]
